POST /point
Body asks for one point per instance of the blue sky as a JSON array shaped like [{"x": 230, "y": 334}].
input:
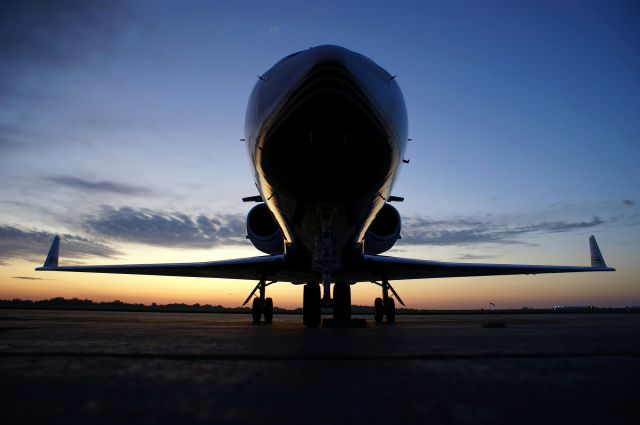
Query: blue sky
[{"x": 120, "y": 128}]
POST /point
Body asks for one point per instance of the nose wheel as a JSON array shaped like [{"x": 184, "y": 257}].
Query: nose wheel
[
  {"x": 386, "y": 306},
  {"x": 262, "y": 306}
]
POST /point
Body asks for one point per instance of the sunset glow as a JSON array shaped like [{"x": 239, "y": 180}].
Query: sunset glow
[{"x": 120, "y": 130}]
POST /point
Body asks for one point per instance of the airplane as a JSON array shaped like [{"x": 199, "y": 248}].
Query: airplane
[{"x": 326, "y": 130}]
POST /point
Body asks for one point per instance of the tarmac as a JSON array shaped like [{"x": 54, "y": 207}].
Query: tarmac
[{"x": 84, "y": 367}]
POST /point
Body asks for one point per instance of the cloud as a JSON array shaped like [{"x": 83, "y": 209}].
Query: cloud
[
  {"x": 418, "y": 230},
  {"x": 274, "y": 29},
  {"x": 28, "y": 278},
  {"x": 50, "y": 38},
  {"x": 56, "y": 32},
  {"x": 32, "y": 245},
  {"x": 628, "y": 202},
  {"x": 99, "y": 186},
  {"x": 474, "y": 257},
  {"x": 8, "y": 134},
  {"x": 162, "y": 228}
]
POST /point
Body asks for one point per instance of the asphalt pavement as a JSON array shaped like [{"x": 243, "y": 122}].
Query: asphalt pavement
[{"x": 83, "y": 367}]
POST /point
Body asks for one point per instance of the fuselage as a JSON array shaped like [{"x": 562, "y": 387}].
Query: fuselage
[{"x": 326, "y": 130}]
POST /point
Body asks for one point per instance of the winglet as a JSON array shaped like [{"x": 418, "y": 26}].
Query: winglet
[
  {"x": 597, "y": 260},
  {"x": 52, "y": 258}
]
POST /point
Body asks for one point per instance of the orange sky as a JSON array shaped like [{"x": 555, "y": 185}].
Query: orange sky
[
  {"x": 524, "y": 143},
  {"x": 602, "y": 289}
]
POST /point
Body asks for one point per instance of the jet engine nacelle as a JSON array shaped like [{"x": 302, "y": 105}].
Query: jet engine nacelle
[
  {"x": 263, "y": 230},
  {"x": 383, "y": 232}
]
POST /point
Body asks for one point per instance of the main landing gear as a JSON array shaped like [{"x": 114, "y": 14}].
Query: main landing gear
[
  {"x": 261, "y": 306},
  {"x": 312, "y": 303},
  {"x": 311, "y": 309},
  {"x": 342, "y": 301},
  {"x": 386, "y": 306}
]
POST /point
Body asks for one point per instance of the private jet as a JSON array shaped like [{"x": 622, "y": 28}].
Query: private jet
[{"x": 326, "y": 131}]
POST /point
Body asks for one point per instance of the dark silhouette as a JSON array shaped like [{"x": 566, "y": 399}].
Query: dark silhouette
[{"x": 61, "y": 303}]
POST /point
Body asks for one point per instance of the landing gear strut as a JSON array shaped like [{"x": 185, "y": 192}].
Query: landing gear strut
[
  {"x": 386, "y": 306},
  {"x": 261, "y": 306}
]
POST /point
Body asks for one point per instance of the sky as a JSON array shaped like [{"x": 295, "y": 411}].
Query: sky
[{"x": 120, "y": 128}]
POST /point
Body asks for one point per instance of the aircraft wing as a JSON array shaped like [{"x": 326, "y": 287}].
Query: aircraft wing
[
  {"x": 374, "y": 267},
  {"x": 392, "y": 268},
  {"x": 251, "y": 268}
]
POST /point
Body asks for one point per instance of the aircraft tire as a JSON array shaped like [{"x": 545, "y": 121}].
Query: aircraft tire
[
  {"x": 256, "y": 310},
  {"x": 311, "y": 313},
  {"x": 342, "y": 301},
  {"x": 378, "y": 310},
  {"x": 268, "y": 310},
  {"x": 390, "y": 310}
]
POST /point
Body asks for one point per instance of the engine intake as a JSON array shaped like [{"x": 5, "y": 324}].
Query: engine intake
[
  {"x": 263, "y": 230},
  {"x": 383, "y": 232}
]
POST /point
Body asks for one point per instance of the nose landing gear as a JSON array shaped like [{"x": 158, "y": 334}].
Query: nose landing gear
[{"x": 386, "y": 306}]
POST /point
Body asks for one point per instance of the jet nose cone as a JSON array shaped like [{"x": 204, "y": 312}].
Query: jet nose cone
[
  {"x": 357, "y": 67},
  {"x": 330, "y": 54},
  {"x": 326, "y": 70}
]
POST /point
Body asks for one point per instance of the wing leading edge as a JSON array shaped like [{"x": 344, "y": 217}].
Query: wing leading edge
[
  {"x": 251, "y": 268},
  {"x": 392, "y": 268}
]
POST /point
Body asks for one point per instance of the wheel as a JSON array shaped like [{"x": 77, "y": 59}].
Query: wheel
[
  {"x": 268, "y": 310},
  {"x": 342, "y": 301},
  {"x": 378, "y": 310},
  {"x": 390, "y": 310},
  {"x": 311, "y": 313},
  {"x": 256, "y": 310}
]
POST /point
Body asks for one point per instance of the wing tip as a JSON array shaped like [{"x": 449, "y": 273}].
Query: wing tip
[
  {"x": 597, "y": 259},
  {"x": 51, "y": 262}
]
